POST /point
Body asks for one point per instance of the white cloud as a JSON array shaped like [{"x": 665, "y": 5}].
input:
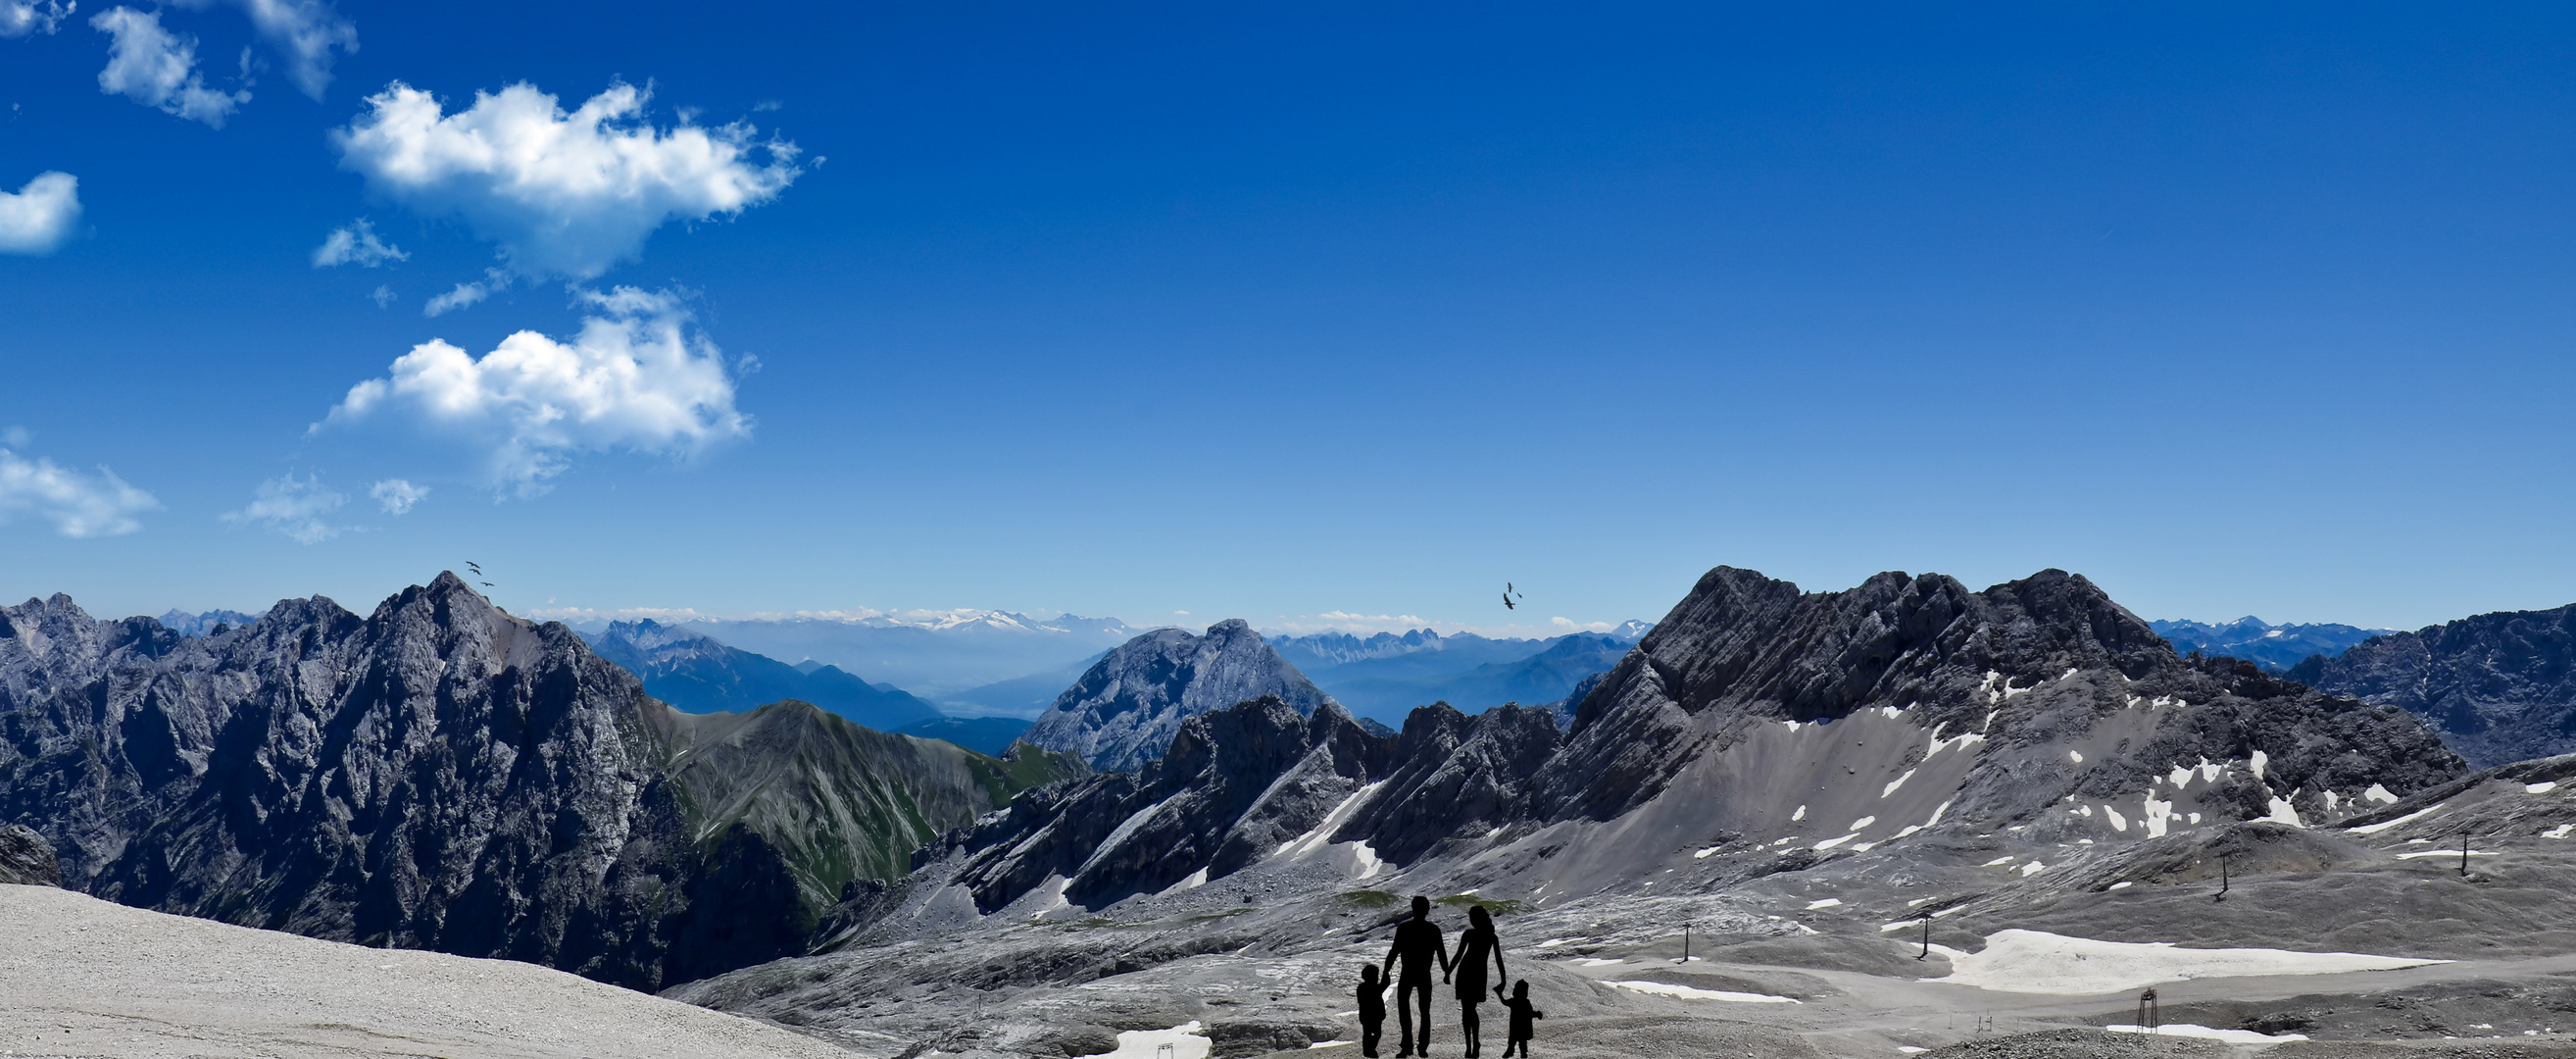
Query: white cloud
[
  {"x": 493, "y": 282},
  {"x": 39, "y": 217},
  {"x": 563, "y": 194},
  {"x": 635, "y": 378},
  {"x": 356, "y": 244},
  {"x": 79, "y": 505},
  {"x": 306, "y": 31},
  {"x": 383, "y": 296},
  {"x": 294, "y": 508},
  {"x": 20, "y": 18},
  {"x": 154, "y": 67},
  {"x": 397, "y": 496}
]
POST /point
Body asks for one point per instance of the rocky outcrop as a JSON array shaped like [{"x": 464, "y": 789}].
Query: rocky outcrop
[
  {"x": 698, "y": 674},
  {"x": 26, "y": 859},
  {"x": 2045, "y": 663},
  {"x": 1235, "y": 784},
  {"x": 1130, "y": 705},
  {"x": 2501, "y": 687},
  {"x": 441, "y": 775}
]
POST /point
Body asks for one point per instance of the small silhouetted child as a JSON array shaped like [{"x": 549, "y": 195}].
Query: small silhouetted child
[
  {"x": 1372, "y": 1010},
  {"x": 1522, "y": 1015}
]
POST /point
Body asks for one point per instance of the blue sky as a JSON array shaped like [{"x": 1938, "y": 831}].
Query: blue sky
[{"x": 1286, "y": 312}]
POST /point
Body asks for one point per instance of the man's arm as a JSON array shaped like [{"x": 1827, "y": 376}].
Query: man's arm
[{"x": 1392, "y": 947}]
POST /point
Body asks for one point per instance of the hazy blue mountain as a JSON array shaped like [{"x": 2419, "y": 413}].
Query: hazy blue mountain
[
  {"x": 186, "y": 624},
  {"x": 2274, "y": 647},
  {"x": 1020, "y": 697},
  {"x": 935, "y": 656},
  {"x": 1383, "y": 676},
  {"x": 699, "y": 674},
  {"x": 984, "y": 735}
]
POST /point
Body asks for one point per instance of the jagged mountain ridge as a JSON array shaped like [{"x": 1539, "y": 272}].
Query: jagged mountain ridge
[
  {"x": 441, "y": 775},
  {"x": 2273, "y": 647},
  {"x": 2501, "y": 687},
  {"x": 1130, "y": 705},
  {"x": 1755, "y": 715},
  {"x": 701, "y": 674}
]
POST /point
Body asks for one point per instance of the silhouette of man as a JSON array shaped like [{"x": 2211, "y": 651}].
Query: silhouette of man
[{"x": 1417, "y": 942}]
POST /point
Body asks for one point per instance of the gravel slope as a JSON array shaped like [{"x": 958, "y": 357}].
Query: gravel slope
[{"x": 85, "y": 977}]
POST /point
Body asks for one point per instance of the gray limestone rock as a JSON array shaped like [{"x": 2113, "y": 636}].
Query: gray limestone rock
[
  {"x": 1130, "y": 705},
  {"x": 2501, "y": 687},
  {"x": 441, "y": 775},
  {"x": 26, "y": 859}
]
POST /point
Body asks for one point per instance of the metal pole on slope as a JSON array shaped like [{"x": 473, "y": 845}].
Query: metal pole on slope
[
  {"x": 2222, "y": 878},
  {"x": 2464, "y": 854},
  {"x": 1685, "y": 942},
  {"x": 1927, "y": 937}
]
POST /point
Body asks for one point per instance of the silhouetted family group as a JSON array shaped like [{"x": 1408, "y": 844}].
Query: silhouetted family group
[{"x": 1419, "y": 947}]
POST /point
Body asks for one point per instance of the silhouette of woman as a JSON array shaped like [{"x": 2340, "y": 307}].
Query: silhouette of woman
[{"x": 1474, "y": 945}]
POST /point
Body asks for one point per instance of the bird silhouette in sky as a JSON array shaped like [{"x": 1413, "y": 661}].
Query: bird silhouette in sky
[
  {"x": 469, "y": 564},
  {"x": 1508, "y": 595}
]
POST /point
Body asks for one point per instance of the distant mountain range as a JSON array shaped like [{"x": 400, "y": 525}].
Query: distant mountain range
[
  {"x": 186, "y": 624},
  {"x": 2274, "y": 647},
  {"x": 1384, "y": 676},
  {"x": 942, "y": 658},
  {"x": 699, "y": 674}
]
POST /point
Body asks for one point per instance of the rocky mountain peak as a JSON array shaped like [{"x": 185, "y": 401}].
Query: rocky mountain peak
[{"x": 1131, "y": 705}]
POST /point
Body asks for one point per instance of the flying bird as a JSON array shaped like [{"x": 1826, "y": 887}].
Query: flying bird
[
  {"x": 487, "y": 584},
  {"x": 1510, "y": 594},
  {"x": 1507, "y": 603},
  {"x": 478, "y": 571}
]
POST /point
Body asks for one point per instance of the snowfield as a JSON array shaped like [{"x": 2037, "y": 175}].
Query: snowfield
[{"x": 2032, "y": 961}]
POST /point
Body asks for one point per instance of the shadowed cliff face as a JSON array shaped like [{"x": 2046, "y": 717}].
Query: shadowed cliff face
[
  {"x": 441, "y": 775},
  {"x": 2501, "y": 687}
]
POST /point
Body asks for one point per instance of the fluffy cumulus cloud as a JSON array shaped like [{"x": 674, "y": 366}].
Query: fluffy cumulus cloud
[
  {"x": 397, "y": 496},
  {"x": 291, "y": 506},
  {"x": 356, "y": 244},
  {"x": 157, "y": 68},
  {"x": 636, "y": 378},
  {"x": 41, "y": 215},
  {"x": 562, "y": 194},
  {"x": 306, "y": 32},
  {"x": 79, "y": 505},
  {"x": 20, "y": 18}
]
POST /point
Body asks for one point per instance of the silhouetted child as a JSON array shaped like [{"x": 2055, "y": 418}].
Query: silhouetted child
[
  {"x": 1372, "y": 1010},
  {"x": 1522, "y": 1015}
]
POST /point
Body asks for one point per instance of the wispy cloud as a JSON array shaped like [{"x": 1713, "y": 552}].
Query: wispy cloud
[
  {"x": 39, "y": 217},
  {"x": 397, "y": 496},
  {"x": 562, "y": 194},
  {"x": 157, "y": 68},
  {"x": 79, "y": 505},
  {"x": 291, "y": 507},
  {"x": 21, "y": 18},
  {"x": 356, "y": 244},
  {"x": 306, "y": 32},
  {"x": 638, "y": 377}
]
